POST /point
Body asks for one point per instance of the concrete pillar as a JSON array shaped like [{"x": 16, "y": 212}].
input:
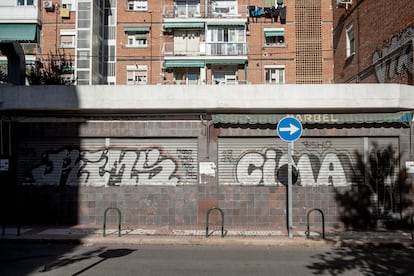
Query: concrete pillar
[{"x": 16, "y": 62}]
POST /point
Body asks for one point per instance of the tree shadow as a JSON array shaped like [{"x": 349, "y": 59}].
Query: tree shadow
[
  {"x": 367, "y": 260},
  {"x": 380, "y": 197}
]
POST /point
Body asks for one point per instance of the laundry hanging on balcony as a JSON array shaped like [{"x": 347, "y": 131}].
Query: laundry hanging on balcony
[{"x": 269, "y": 11}]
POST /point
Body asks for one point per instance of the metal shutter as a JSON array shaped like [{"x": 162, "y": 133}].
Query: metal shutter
[
  {"x": 99, "y": 162},
  {"x": 320, "y": 161}
]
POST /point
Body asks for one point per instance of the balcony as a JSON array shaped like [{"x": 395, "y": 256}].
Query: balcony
[
  {"x": 20, "y": 14},
  {"x": 187, "y": 11},
  {"x": 207, "y": 49},
  {"x": 226, "y": 48},
  {"x": 225, "y": 9},
  {"x": 170, "y": 50}
]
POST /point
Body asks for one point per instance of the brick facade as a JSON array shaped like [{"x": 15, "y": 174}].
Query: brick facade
[
  {"x": 380, "y": 27},
  {"x": 152, "y": 57}
]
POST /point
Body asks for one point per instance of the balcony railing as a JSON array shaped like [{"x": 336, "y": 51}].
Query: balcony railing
[
  {"x": 226, "y": 49},
  {"x": 170, "y": 50},
  {"x": 207, "y": 49},
  {"x": 205, "y": 82},
  {"x": 229, "y": 10},
  {"x": 20, "y": 14}
]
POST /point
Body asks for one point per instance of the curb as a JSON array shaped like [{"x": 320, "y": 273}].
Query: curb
[
  {"x": 182, "y": 241},
  {"x": 334, "y": 241}
]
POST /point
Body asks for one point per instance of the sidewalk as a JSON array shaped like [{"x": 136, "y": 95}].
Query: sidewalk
[{"x": 197, "y": 236}]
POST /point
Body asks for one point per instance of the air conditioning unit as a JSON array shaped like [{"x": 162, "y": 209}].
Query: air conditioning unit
[
  {"x": 48, "y": 5},
  {"x": 343, "y": 3}
]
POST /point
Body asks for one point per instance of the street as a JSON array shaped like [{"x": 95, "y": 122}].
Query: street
[{"x": 66, "y": 259}]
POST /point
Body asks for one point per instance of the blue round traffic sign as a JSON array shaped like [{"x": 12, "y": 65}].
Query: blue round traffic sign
[{"x": 289, "y": 129}]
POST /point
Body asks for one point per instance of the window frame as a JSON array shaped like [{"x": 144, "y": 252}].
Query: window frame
[
  {"x": 23, "y": 3},
  {"x": 69, "y": 4},
  {"x": 350, "y": 40},
  {"x": 272, "y": 40},
  {"x": 137, "y": 5},
  {"x": 132, "y": 37},
  {"x": 68, "y": 33},
  {"x": 137, "y": 71},
  {"x": 278, "y": 69}
]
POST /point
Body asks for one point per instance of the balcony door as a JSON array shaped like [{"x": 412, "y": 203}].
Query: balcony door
[
  {"x": 187, "y": 42},
  {"x": 187, "y": 8}
]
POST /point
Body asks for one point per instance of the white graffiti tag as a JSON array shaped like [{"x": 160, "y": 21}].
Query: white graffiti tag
[
  {"x": 256, "y": 168},
  {"x": 394, "y": 57},
  {"x": 108, "y": 167}
]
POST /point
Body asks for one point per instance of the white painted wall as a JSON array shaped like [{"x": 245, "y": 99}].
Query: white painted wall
[{"x": 231, "y": 98}]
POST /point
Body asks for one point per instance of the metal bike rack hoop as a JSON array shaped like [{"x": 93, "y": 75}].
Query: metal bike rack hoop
[
  {"x": 307, "y": 222},
  {"x": 222, "y": 220},
  {"x": 119, "y": 219}
]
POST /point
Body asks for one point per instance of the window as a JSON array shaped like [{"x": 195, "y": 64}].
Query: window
[
  {"x": 274, "y": 74},
  {"x": 231, "y": 34},
  {"x": 274, "y": 37},
  {"x": 224, "y": 7},
  {"x": 226, "y": 41},
  {"x": 186, "y": 76},
  {"x": 83, "y": 59},
  {"x": 137, "y": 40},
  {"x": 137, "y": 5},
  {"x": 137, "y": 74},
  {"x": 187, "y": 8},
  {"x": 25, "y": 2},
  {"x": 67, "y": 38},
  {"x": 350, "y": 41},
  {"x": 69, "y": 4},
  {"x": 224, "y": 77}
]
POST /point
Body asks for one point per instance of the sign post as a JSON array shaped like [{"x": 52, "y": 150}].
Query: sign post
[{"x": 289, "y": 130}]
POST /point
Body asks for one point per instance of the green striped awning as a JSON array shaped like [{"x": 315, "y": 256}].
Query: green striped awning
[
  {"x": 274, "y": 32},
  {"x": 312, "y": 118},
  {"x": 19, "y": 32},
  {"x": 137, "y": 29},
  {"x": 226, "y": 61},
  {"x": 224, "y": 22},
  {"x": 140, "y": 36},
  {"x": 183, "y": 25},
  {"x": 184, "y": 63}
]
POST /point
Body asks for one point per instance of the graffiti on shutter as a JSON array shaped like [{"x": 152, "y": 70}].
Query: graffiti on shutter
[
  {"x": 108, "y": 162},
  {"x": 319, "y": 161}
]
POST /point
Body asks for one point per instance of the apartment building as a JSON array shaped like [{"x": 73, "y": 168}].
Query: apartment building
[
  {"x": 21, "y": 20},
  {"x": 373, "y": 41},
  {"x": 188, "y": 41}
]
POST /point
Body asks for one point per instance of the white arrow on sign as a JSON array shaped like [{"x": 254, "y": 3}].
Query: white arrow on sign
[{"x": 291, "y": 128}]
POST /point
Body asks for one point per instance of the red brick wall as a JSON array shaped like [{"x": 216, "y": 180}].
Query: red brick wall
[
  {"x": 150, "y": 55},
  {"x": 52, "y": 23},
  {"x": 375, "y": 24},
  {"x": 258, "y": 57}
]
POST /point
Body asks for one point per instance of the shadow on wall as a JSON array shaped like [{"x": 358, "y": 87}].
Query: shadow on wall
[
  {"x": 47, "y": 191},
  {"x": 35, "y": 189},
  {"x": 384, "y": 199}
]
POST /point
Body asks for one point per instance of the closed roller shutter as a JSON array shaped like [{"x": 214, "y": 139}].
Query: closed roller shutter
[
  {"x": 319, "y": 161},
  {"x": 113, "y": 162},
  {"x": 54, "y": 161},
  {"x": 157, "y": 161}
]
